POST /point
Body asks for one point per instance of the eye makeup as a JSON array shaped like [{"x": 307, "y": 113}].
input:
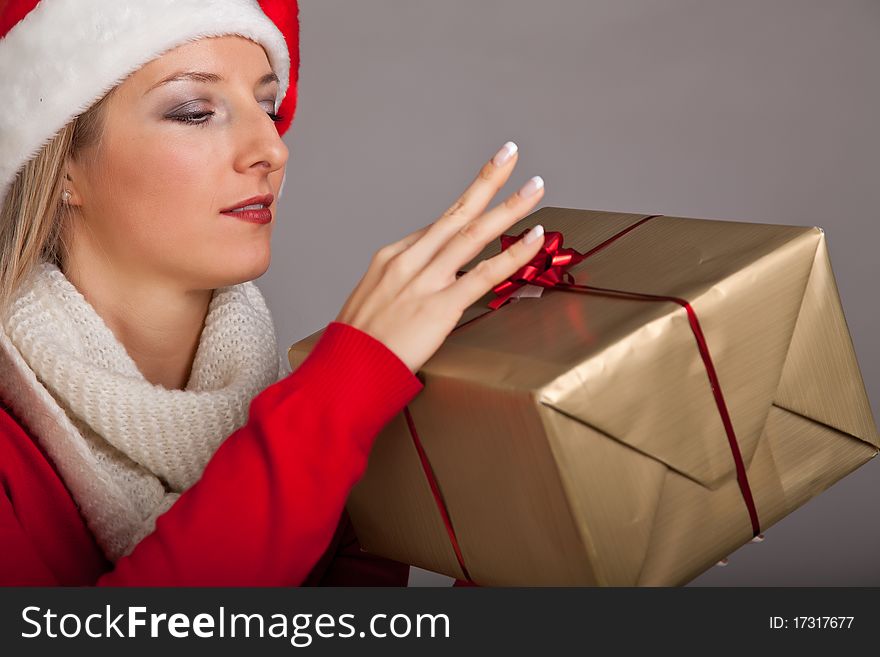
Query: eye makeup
[{"x": 195, "y": 112}]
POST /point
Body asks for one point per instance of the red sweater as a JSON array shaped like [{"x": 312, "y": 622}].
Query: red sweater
[{"x": 268, "y": 509}]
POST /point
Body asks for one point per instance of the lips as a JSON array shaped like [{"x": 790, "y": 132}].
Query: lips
[
  {"x": 265, "y": 200},
  {"x": 253, "y": 210}
]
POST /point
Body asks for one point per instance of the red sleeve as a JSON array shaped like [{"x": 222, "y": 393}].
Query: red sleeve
[
  {"x": 270, "y": 500},
  {"x": 20, "y": 564}
]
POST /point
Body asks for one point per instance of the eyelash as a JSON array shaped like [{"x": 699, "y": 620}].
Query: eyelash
[{"x": 191, "y": 118}]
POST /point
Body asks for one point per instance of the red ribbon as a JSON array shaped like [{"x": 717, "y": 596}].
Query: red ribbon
[{"x": 548, "y": 269}]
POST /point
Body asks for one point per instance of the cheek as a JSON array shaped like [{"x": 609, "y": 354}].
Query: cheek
[
  {"x": 160, "y": 210},
  {"x": 167, "y": 179},
  {"x": 161, "y": 194}
]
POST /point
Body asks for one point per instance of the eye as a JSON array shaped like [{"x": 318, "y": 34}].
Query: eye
[
  {"x": 201, "y": 118},
  {"x": 275, "y": 117},
  {"x": 198, "y": 118}
]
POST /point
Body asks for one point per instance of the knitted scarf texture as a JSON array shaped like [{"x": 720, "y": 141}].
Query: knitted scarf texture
[{"x": 126, "y": 448}]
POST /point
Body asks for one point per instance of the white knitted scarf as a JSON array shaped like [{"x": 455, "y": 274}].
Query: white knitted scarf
[{"x": 127, "y": 448}]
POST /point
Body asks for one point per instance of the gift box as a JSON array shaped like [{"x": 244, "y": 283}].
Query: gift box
[{"x": 642, "y": 399}]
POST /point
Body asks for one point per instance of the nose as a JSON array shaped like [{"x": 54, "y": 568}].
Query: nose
[{"x": 259, "y": 146}]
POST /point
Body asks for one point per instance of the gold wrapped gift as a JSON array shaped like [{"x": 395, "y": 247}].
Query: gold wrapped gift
[{"x": 688, "y": 383}]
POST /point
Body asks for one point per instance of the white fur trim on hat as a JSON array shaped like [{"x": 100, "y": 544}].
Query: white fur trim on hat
[{"x": 66, "y": 54}]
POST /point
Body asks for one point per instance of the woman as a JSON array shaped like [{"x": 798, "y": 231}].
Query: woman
[{"x": 148, "y": 433}]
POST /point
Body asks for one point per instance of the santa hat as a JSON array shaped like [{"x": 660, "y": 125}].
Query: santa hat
[{"x": 58, "y": 57}]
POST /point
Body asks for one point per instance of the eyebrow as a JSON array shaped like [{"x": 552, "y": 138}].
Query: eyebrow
[{"x": 200, "y": 76}]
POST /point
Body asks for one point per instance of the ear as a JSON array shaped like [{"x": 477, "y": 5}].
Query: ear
[{"x": 73, "y": 174}]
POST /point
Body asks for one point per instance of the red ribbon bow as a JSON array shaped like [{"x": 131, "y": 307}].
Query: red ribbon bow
[{"x": 546, "y": 269}]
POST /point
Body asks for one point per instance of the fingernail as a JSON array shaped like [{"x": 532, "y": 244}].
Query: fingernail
[
  {"x": 504, "y": 154},
  {"x": 533, "y": 234},
  {"x": 758, "y": 538},
  {"x": 531, "y": 187}
]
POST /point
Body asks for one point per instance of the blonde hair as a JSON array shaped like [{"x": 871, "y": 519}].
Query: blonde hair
[{"x": 32, "y": 216}]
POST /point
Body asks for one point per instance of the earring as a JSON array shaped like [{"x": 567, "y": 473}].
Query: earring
[{"x": 65, "y": 196}]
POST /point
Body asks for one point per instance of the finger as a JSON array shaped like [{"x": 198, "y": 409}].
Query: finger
[
  {"x": 470, "y": 240},
  {"x": 374, "y": 272},
  {"x": 469, "y": 205},
  {"x": 403, "y": 244},
  {"x": 488, "y": 273}
]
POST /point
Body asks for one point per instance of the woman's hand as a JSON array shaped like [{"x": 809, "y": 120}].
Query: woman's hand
[{"x": 410, "y": 299}]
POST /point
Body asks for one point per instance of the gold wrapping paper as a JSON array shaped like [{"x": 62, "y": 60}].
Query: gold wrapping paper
[{"x": 575, "y": 438}]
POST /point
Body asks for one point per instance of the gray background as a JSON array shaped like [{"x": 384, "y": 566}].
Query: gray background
[{"x": 754, "y": 110}]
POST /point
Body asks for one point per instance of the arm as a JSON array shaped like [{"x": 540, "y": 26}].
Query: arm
[{"x": 269, "y": 501}]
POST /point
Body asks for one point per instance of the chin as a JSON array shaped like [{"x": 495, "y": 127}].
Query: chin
[
  {"x": 239, "y": 268},
  {"x": 252, "y": 271}
]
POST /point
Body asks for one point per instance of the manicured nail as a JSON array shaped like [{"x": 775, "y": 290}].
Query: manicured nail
[
  {"x": 533, "y": 234},
  {"x": 531, "y": 187},
  {"x": 504, "y": 154},
  {"x": 758, "y": 538}
]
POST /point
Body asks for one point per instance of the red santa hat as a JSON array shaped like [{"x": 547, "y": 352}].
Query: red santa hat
[{"x": 58, "y": 57}]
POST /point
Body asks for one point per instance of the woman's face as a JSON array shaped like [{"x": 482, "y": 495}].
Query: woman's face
[{"x": 173, "y": 156}]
